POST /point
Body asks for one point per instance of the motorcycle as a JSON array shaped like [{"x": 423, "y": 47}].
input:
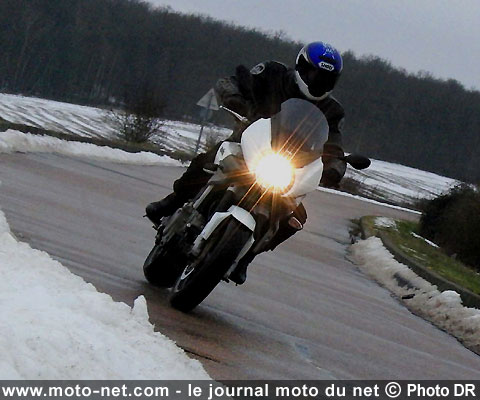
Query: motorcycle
[{"x": 254, "y": 186}]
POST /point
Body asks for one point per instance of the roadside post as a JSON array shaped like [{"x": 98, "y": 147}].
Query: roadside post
[{"x": 209, "y": 103}]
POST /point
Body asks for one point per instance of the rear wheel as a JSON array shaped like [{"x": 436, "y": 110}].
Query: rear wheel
[
  {"x": 199, "y": 278},
  {"x": 161, "y": 268}
]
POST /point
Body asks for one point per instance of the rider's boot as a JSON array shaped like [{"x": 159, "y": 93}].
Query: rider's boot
[
  {"x": 288, "y": 227},
  {"x": 157, "y": 210},
  {"x": 239, "y": 275}
]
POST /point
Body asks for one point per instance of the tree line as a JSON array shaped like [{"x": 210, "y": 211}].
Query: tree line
[{"x": 98, "y": 52}]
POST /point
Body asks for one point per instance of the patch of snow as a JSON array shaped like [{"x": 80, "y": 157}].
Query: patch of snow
[
  {"x": 425, "y": 240},
  {"x": 385, "y": 222},
  {"x": 14, "y": 141},
  {"x": 444, "y": 309},
  {"x": 54, "y": 325}
]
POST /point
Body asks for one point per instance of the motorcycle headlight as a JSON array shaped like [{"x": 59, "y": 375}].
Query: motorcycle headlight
[{"x": 274, "y": 171}]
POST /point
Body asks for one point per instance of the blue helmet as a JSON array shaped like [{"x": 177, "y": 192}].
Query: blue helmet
[{"x": 317, "y": 69}]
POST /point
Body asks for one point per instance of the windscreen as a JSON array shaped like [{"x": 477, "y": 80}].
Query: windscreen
[{"x": 300, "y": 130}]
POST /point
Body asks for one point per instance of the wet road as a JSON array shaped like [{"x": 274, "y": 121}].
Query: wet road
[{"x": 305, "y": 312}]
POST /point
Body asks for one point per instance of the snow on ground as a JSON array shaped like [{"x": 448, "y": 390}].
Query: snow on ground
[
  {"x": 400, "y": 184},
  {"x": 385, "y": 222},
  {"x": 184, "y": 136},
  {"x": 353, "y": 196},
  {"x": 13, "y": 141},
  {"x": 391, "y": 182},
  {"x": 53, "y": 325},
  {"x": 56, "y": 116},
  {"x": 97, "y": 122},
  {"x": 425, "y": 240},
  {"x": 443, "y": 309}
]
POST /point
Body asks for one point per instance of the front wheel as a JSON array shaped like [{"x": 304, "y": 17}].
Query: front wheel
[{"x": 200, "y": 278}]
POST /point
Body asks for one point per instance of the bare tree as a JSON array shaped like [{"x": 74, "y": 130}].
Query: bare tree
[{"x": 141, "y": 118}]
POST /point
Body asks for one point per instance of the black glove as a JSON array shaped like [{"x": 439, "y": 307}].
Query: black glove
[
  {"x": 333, "y": 168},
  {"x": 229, "y": 95},
  {"x": 245, "y": 82}
]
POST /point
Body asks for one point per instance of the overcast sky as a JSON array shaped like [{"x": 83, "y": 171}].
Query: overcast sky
[{"x": 439, "y": 36}]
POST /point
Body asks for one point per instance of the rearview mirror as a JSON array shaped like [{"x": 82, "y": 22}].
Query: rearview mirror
[{"x": 358, "y": 161}]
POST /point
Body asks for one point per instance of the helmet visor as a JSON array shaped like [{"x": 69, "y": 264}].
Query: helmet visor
[{"x": 318, "y": 80}]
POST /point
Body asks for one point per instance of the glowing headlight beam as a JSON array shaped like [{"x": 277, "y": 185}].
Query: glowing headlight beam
[{"x": 274, "y": 170}]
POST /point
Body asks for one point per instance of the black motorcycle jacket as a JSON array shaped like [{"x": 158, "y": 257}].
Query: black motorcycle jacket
[{"x": 259, "y": 93}]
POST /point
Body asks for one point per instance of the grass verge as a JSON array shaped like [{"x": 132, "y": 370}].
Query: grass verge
[{"x": 405, "y": 235}]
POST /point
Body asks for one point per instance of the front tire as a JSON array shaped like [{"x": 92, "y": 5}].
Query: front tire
[{"x": 199, "y": 278}]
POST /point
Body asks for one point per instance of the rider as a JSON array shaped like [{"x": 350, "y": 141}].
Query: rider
[{"x": 258, "y": 93}]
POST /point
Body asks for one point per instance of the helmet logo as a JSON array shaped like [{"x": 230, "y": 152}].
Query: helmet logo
[{"x": 325, "y": 65}]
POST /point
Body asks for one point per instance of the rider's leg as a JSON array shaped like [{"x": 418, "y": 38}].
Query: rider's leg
[{"x": 184, "y": 188}]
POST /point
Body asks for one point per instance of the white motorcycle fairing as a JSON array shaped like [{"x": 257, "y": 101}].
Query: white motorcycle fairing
[{"x": 257, "y": 142}]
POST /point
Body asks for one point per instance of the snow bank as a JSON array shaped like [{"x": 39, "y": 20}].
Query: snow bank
[
  {"x": 53, "y": 325},
  {"x": 12, "y": 141},
  {"x": 444, "y": 309}
]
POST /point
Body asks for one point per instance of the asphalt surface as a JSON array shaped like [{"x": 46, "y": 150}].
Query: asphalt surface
[{"x": 305, "y": 312}]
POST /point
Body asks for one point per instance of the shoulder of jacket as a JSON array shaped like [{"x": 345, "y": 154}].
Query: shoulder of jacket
[
  {"x": 334, "y": 106},
  {"x": 268, "y": 66}
]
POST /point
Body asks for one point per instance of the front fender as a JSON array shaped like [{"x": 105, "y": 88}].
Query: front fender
[{"x": 240, "y": 214}]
